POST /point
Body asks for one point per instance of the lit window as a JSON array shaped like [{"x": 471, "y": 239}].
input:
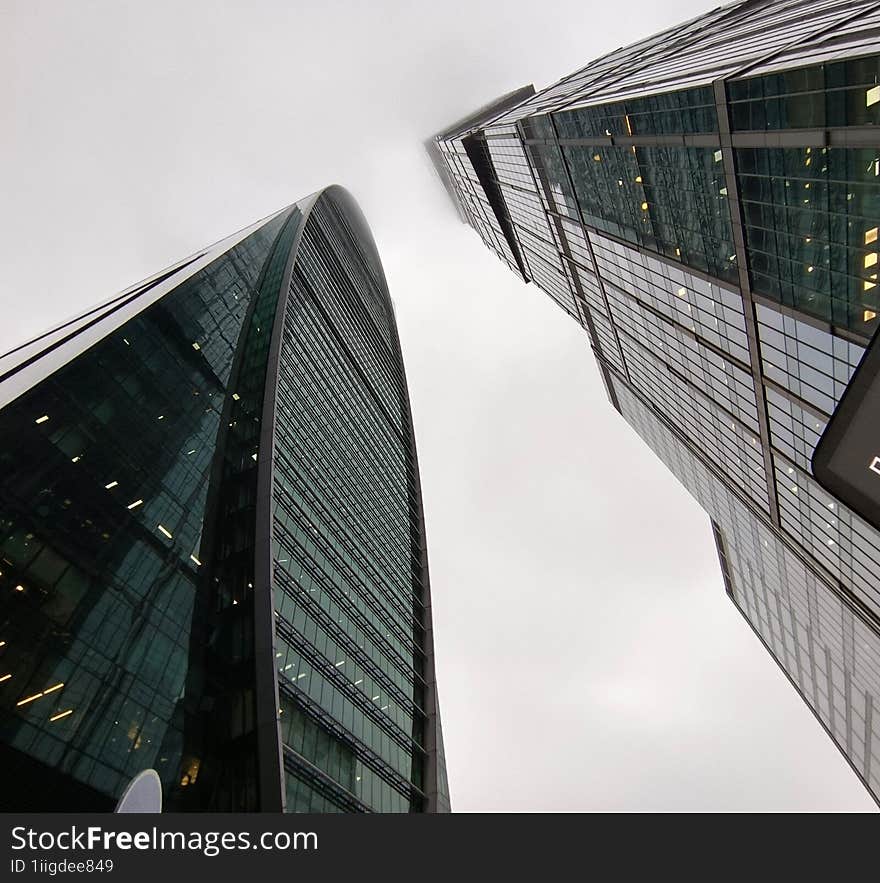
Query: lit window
[
  {"x": 75, "y": 459},
  {"x": 644, "y": 206},
  {"x": 42, "y": 419},
  {"x": 870, "y": 259},
  {"x": 111, "y": 485},
  {"x": 872, "y": 96},
  {"x": 717, "y": 156},
  {"x": 597, "y": 158},
  {"x": 194, "y": 558},
  {"x": 61, "y": 714},
  {"x": 135, "y": 504},
  {"x": 4, "y": 678},
  {"x": 28, "y": 699},
  {"x": 19, "y": 588},
  {"x": 868, "y": 315},
  {"x": 638, "y": 179},
  {"x": 165, "y": 531},
  {"x": 810, "y": 269},
  {"x": 196, "y": 346},
  {"x": 235, "y": 396}
]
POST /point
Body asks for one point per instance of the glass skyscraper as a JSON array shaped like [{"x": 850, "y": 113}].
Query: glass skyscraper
[
  {"x": 212, "y": 547},
  {"x": 706, "y": 204}
]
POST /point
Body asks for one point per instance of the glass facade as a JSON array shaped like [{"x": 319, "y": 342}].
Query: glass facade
[
  {"x": 705, "y": 204},
  {"x": 210, "y": 565}
]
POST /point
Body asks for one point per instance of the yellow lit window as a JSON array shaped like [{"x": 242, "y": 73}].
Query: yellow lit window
[
  {"x": 872, "y": 96},
  {"x": 869, "y": 314},
  {"x": 871, "y": 259},
  {"x": 871, "y": 236}
]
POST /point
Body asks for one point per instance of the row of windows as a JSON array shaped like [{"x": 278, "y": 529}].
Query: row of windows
[
  {"x": 734, "y": 448},
  {"x": 813, "y": 364},
  {"x": 728, "y": 384},
  {"x": 811, "y": 230},
  {"x": 838, "y": 93},
  {"x": 838, "y": 539},
  {"x": 346, "y": 565},
  {"x": 710, "y": 311},
  {"x": 798, "y": 616},
  {"x": 670, "y": 200},
  {"x": 683, "y": 111}
]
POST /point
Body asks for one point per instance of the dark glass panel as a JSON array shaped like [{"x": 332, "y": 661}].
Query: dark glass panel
[{"x": 104, "y": 474}]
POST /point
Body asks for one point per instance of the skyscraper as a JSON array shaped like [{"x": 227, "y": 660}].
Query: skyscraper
[
  {"x": 706, "y": 204},
  {"x": 212, "y": 542}
]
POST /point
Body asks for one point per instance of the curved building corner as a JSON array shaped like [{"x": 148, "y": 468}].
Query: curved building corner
[{"x": 212, "y": 539}]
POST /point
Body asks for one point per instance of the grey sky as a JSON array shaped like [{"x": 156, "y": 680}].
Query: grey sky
[{"x": 588, "y": 656}]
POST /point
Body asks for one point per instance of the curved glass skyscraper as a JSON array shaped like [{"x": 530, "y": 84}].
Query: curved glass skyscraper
[{"x": 212, "y": 548}]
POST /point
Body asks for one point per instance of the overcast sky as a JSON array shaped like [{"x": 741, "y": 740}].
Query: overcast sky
[{"x": 588, "y": 658}]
